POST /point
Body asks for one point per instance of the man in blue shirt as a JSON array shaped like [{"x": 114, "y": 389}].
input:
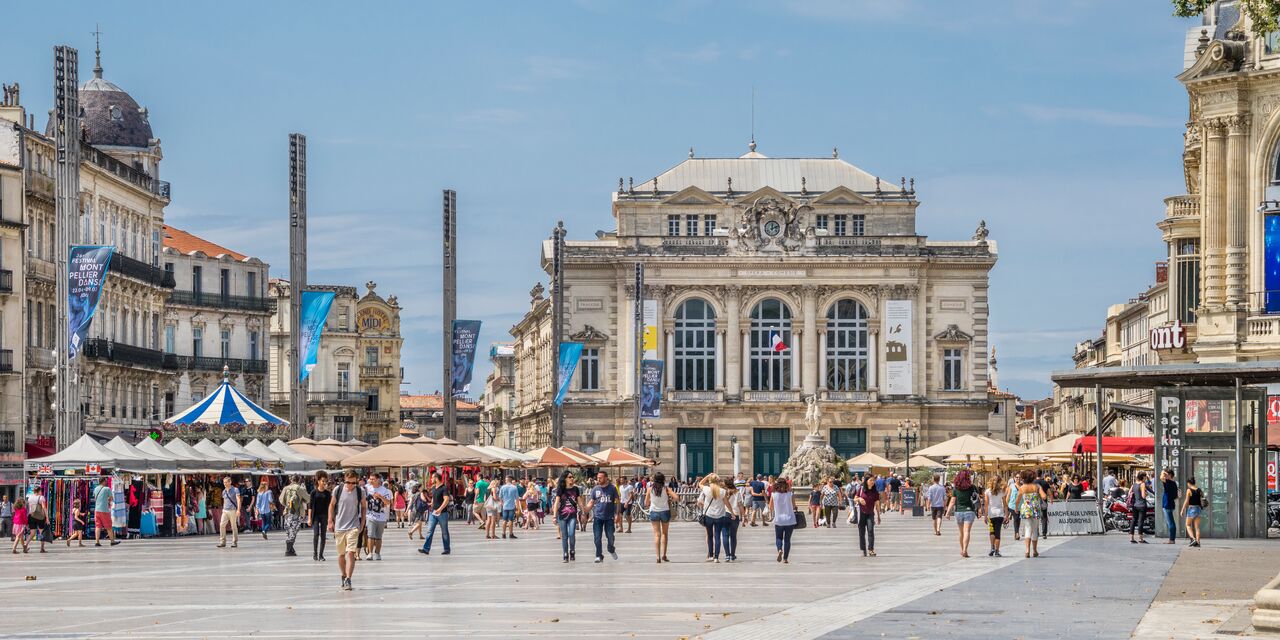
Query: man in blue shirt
[
  {"x": 509, "y": 494},
  {"x": 603, "y": 505}
]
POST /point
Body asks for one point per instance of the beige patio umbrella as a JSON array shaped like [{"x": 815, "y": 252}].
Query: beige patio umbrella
[
  {"x": 968, "y": 445},
  {"x": 919, "y": 462},
  {"x": 615, "y": 457},
  {"x": 870, "y": 460},
  {"x": 394, "y": 452},
  {"x": 553, "y": 457},
  {"x": 1059, "y": 446},
  {"x": 586, "y": 458}
]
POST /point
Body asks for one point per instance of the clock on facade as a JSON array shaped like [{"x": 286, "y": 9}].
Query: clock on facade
[{"x": 771, "y": 228}]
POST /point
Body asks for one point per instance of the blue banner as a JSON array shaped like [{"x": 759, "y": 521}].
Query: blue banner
[
  {"x": 570, "y": 353},
  {"x": 466, "y": 333},
  {"x": 1270, "y": 264},
  {"x": 86, "y": 272},
  {"x": 315, "y": 308},
  {"x": 650, "y": 389}
]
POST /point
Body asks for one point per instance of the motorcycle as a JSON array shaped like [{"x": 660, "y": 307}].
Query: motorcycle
[
  {"x": 1273, "y": 510},
  {"x": 1117, "y": 516}
]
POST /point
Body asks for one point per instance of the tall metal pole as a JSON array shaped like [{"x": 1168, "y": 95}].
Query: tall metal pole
[
  {"x": 1241, "y": 469},
  {"x": 557, "y": 328},
  {"x": 297, "y": 278},
  {"x": 1097, "y": 479},
  {"x": 66, "y": 64},
  {"x": 639, "y": 349},
  {"x": 450, "y": 306}
]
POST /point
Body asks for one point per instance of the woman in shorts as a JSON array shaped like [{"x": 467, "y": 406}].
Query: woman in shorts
[
  {"x": 815, "y": 504},
  {"x": 658, "y": 499},
  {"x": 1192, "y": 506},
  {"x": 995, "y": 501}
]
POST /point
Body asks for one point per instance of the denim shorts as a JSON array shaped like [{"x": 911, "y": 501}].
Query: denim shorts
[
  {"x": 659, "y": 516},
  {"x": 966, "y": 517},
  {"x": 1193, "y": 512},
  {"x": 509, "y": 515}
]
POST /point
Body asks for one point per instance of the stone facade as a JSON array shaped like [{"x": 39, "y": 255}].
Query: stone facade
[{"x": 814, "y": 250}]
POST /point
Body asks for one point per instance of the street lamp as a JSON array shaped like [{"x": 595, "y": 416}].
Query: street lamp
[
  {"x": 887, "y": 442},
  {"x": 909, "y": 433}
]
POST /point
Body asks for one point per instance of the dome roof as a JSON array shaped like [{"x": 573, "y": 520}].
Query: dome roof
[{"x": 110, "y": 116}]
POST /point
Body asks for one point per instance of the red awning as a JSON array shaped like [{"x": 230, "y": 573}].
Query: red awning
[
  {"x": 39, "y": 450},
  {"x": 1113, "y": 444}
]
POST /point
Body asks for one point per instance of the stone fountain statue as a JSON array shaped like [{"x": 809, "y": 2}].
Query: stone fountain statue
[{"x": 814, "y": 460}]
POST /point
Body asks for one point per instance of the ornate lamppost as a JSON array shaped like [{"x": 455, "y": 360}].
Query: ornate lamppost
[{"x": 908, "y": 433}]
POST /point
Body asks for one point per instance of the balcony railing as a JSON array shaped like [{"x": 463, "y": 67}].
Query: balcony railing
[
  {"x": 219, "y": 301},
  {"x": 693, "y": 396},
  {"x": 6, "y": 281},
  {"x": 771, "y": 396},
  {"x": 377, "y": 371},
  {"x": 1181, "y": 206},
  {"x": 203, "y": 363},
  {"x": 6, "y": 361},
  {"x": 40, "y": 269},
  {"x": 325, "y": 397},
  {"x": 126, "y": 266},
  {"x": 849, "y": 396},
  {"x": 38, "y": 358},
  {"x": 375, "y": 415},
  {"x": 39, "y": 185},
  {"x": 103, "y": 349},
  {"x": 124, "y": 171}
]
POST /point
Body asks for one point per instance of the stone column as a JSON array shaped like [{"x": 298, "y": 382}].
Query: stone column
[
  {"x": 746, "y": 358},
  {"x": 1237, "y": 208},
  {"x": 809, "y": 359},
  {"x": 626, "y": 341},
  {"x": 1215, "y": 223},
  {"x": 733, "y": 344},
  {"x": 670, "y": 365},
  {"x": 719, "y": 359},
  {"x": 873, "y": 348},
  {"x": 822, "y": 359},
  {"x": 794, "y": 354}
]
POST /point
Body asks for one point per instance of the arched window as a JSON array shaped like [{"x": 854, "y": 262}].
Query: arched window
[
  {"x": 848, "y": 347},
  {"x": 695, "y": 346},
  {"x": 770, "y": 359}
]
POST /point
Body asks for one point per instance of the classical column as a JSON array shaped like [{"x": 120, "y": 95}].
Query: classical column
[
  {"x": 1215, "y": 226},
  {"x": 1237, "y": 208},
  {"x": 794, "y": 354},
  {"x": 809, "y": 343},
  {"x": 670, "y": 364},
  {"x": 626, "y": 340},
  {"x": 719, "y": 359},
  {"x": 733, "y": 347},
  {"x": 822, "y": 359},
  {"x": 746, "y": 358},
  {"x": 873, "y": 349}
]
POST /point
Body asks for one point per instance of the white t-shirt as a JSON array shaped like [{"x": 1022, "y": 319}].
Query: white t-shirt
[
  {"x": 626, "y": 491},
  {"x": 995, "y": 508},
  {"x": 377, "y": 509},
  {"x": 715, "y": 507},
  {"x": 33, "y": 500}
]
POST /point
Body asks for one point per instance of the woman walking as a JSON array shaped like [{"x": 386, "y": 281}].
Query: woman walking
[
  {"x": 815, "y": 504},
  {"x": 715, "y": 513},
  {"x": 995, "y": 501},
  {"x": 201, "y": 512},
  {"x": 263, "y": 506},
  {"x": 565, "y": 508},
  {"x": 1192, "y": 505},
  {"x": 421, "y": 503},
  {"x": 1140, "y": 500},
  {"x": 468, "y": 500},
  {"x": 658, "y": 499},
  {"x": 965, "y": 502},
  {"x": 76, "y": 530},
  {"x": 830, "y": 502},
  {"x": 400, "y": 505},
  {"x": 1030, "y": 499},
  {"x": 783, "y": 505},
  {"x": 532, "y": 500},
  {"x": 319, "y": 515},
  {"x": 20, "y": 525},
  {"x": 867, "y": 500},
  {"x": 733, "y": 518}
]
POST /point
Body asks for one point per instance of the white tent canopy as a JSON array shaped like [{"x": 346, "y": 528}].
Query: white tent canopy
[
  {"x": 281, "y": 447},
  {"x": 153, "y": 462},
  {"x": 84, "y": 451},
  {"x": 212, "y": 450},
  {"x": 178, "y": 447},
  {"x": 185, "y": 462},
  {"x": 290, "y": 461}
]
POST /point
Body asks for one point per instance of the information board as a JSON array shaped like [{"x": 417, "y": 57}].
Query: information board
[{"x": 1074, "y": 518}]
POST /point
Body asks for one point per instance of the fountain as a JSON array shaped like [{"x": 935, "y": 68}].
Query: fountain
[{"x": 815, "y": 460}]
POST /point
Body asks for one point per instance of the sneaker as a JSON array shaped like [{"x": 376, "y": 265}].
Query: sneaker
[
  {"x": 377, "y": 556},
  {"x": 779, "y": 555},
  {"x": 991, "y": 553},
  {"x": 614, "y": 554},
  {"x": 221, "y": 545},
  {"x": 445, "y": 552},
  {"x": 347, "y": 586},
  {"x": 997, "y": 554},
  {"x": 573, "y": 555},
  {"x": 115, "y": 543},
  {"x": 566, "y": 558},
  {"x": 424, "y": 552},
  {"x": 599, "y": 559},
  {"x": 513, "y": 536},
  {"x": 234, "y": 545},
  {"x": 97, "y": 544}
]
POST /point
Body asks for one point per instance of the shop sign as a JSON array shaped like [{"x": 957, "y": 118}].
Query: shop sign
[
  {"x": 1271, "y": 473},
  {"x": 92, "y": 469},
  {"x": 1172, "y": 336},
  {"x": 44, "y": 470},
  {"x": 1074, "y": 518}
]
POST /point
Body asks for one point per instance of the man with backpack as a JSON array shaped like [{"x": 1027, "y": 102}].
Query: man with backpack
[
  {"x": 294, "y": 500},
  {"x": 347, "y": 512}
]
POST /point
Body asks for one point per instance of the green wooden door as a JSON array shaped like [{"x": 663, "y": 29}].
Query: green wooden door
[
  {"x": 849, "y": 442},
  {"x": 770, "y": 450},
  {"x": 699, "y": 445}
]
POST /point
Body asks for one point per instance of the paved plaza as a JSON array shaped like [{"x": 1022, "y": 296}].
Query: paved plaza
[{"x": 917, "y": 587}]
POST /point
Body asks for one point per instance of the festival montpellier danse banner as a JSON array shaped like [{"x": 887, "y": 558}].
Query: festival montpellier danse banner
[
  {"x": 466, "y": 333},
  {"x": 650, "y": 389},
  {"x": 315, "y": 308},
  {"x": 86, "y": 271},
  {"x": 570, "y": 353}
]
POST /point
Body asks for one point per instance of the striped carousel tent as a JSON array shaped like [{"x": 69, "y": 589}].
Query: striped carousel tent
[{"x": 226, "y": 405}]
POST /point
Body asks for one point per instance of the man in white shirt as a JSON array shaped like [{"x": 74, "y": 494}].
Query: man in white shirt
[
  {"x": 627, "y": 491},
  {"x": 1109, "y": 482},
  {"x": 378, "y": 504}
]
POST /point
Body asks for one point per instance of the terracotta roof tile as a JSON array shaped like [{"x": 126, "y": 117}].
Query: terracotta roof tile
[
  {"x": 433, "y": 401},
  {"x": 186, "y": 243}
]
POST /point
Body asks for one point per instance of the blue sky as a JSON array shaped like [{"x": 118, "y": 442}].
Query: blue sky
[{"x": 1059, "y": 122}]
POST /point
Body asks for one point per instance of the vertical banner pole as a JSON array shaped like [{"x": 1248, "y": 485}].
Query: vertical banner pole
[
  {"x": 1097, "y": 392},
  {"x": 557, "y": 327},
  {"x": 297, "y": 279},
  {"x": 449, "y": 238},
  {"x": 639, "y": 349},
  {"x": 67, "y": 421}
]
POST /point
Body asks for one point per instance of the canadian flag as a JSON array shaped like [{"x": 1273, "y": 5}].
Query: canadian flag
[{"x": 776, "y": 339}]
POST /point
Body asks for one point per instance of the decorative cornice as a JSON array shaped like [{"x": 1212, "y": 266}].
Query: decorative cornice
[
  {"x": 953, "y": 334},
  {"x": 589, "y": 334}
]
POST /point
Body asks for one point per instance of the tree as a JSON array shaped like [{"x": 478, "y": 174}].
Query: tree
[{"x": 1262, "y": 13}]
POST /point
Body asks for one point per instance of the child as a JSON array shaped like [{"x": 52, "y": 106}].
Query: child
[
  {"x": 20, "y": 525},
  {"x": 77, "y": 524}
]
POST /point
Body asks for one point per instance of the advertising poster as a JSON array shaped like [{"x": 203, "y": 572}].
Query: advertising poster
[
  {"x": 466, "y": 333},
  {"x": 651, "y": 389},
  {"x": 649, "y": 317},
  {"x": 1271, "y": 263},
  {"x": 570, "y": 353},
  {"x": 86, "y": 271},
  {"x": 897, "y": 347},
  {"x": 315, "y": 308}
]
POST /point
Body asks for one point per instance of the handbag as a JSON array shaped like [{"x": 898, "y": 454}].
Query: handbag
[
  {"x": 801, "y": 521},
  {"x": 702, "y": 517}
]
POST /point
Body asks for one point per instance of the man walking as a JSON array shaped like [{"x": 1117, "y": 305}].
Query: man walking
[
  {"x": 347, "y": 515},
  {"x": 758, "y": 489},
  {"x": 379, "y": 504},
  {"x": 936, "y": 497},
  {"x": 438, "y": 515},
  {"x": 294, "y": 500},
  {"x": 626, "y": 493},
  {"x": 231, "y": 502},
  {"x": 895, "y": 493},
  {"x": 1169, "y": 501},
  {"x": 482, "y": 492},
  {"x": 1047, "y": 487},
  {"x": 509, "y": 495},
  {"x": 603, "y": 505},
  {"x": 6, "y": 516},
  {"x": 102, "y": 514}
]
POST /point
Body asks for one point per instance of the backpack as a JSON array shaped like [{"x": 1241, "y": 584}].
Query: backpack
[
  {"x": 337, "y": 492},
  {"x": 293, "y": 502}
]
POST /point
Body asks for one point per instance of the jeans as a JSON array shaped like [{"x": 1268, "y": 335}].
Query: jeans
[
  {"x": 605, "y": 527},
  {"x": 432, "y": 521},
  {"x": 568, "y": 534},
  {"x": 1139, "y": 515},
  {"x": 1017, "y": 521},
  {"x": 710, "y": 526},
  {"x": 318, "y": 539},
  {"x": 731, "y": 534},
  {"x": 720, "y": 534},
  {"x": 867, "y": 532},
  {"x": 782, "y": 538},
  {"x": 1044, "y": 522},
  {"x": 1171, "y": 524}
]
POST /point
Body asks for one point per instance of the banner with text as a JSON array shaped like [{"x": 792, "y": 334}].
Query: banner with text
[
  {"x": 466, "y": 333},
  {"x": 86, "y": 272},
  {"x": 570, "y": 353},
  {"x": 649, "y": 320},
  {"x": 315, "y": 308},
  {"x": 651, "y": 389},
  {"x": 897, "y": 348}
]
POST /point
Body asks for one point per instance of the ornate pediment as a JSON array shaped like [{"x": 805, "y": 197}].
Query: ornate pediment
[
  {"x": 589, "y": 334},
  {"x": 953, "y": 334},
  {"x": 841, "y": 195},
  {"x": 771, "y": 225},
  {"x": 1217, "y": 57},
  {"x": 691, "y": 195}
]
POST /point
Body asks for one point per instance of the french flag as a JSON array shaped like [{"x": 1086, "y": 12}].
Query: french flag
[{"x": 778, "y": 344}]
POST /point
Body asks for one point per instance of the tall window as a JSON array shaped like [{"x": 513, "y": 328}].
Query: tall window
[
  {"x": 168, "y": 338},
  {"x": 673, "y": 225},
  {"x": 708, "y": 225},
  {"x": 848, "y": 347},
  {"x": 695, "y": 346},
  {"x": 822, "y": 221},
  {"x": 691, "y": 225},
  {"x": 952, "y": 367},
  {"x": 344, "y": 379},
  {"x": 226, "y": 343},
  {"x": 770, "y": 365},
  {"x": 1187, "y": 270},
  {"x": 197, "y": 277},
  {"x": 224, "y": 283},
  {"x": 842, "y": 224},
  {"x": 857, "y": 225},
  {"x": 197, "y": 342},
  {"x": 371, "y": 356},
  {"x": 371, "y": 396},
  {"x": 589, "y": 378},
  {"x": 252, "y": 284},
  {"x": 253, "y": 345},
  {"x": 342, "y": 428}
]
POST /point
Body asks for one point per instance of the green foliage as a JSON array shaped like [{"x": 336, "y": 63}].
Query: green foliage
[
  {"x": 1262, "y": 13},
  {"x": 921, "y": 477}
]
